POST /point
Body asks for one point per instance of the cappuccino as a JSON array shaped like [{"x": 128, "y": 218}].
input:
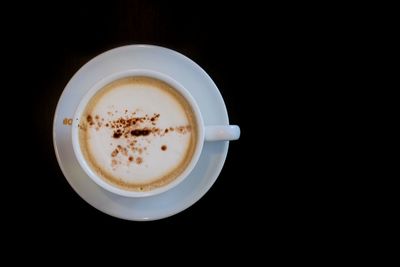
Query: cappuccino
[{"x": 138, "y": 133}]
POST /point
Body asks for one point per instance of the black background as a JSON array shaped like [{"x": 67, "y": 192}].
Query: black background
[
  {"x": 282, "y": 71},
  {"x": 242, "y": 48}
]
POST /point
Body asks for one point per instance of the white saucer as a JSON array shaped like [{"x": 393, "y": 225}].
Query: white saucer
[{"x": 178, "y": 67}]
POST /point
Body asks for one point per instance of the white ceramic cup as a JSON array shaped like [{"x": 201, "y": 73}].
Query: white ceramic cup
[{"x": 204, "y": 133}]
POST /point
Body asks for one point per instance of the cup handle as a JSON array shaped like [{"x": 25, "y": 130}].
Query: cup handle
[{"x": 222, "y": 132}]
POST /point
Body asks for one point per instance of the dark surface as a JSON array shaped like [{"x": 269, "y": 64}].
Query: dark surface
[
  {"x": 57, "y": 39},
  {"x": 279, "y": 70}
]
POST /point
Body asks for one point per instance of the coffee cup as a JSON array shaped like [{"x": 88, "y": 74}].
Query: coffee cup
[{"x": 139, "y": 133}]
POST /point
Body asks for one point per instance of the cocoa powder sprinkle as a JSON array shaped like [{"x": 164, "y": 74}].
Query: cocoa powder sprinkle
[
  {"x": 140, "y": 132},
  {"x": 131, "y": 131}
]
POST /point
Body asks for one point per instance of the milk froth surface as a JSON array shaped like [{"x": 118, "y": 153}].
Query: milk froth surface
[{"x": 138, "y": 133}]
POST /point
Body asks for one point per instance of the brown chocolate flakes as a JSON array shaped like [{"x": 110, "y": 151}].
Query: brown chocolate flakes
[
  {"x": 114, "y": 153},
  {"x": 67, "y": 121},
  {"x": 134, "y": 133},
  {"x": 117, "y": 133},
  {"x": 140, "y": 132},
  {"x": 89, "y": 119}
]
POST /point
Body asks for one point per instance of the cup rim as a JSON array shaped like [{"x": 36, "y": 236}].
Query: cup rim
[{"x": 131, "y": 73}]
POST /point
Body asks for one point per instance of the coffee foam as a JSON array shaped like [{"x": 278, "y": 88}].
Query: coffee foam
[{"x": 138, "y": 133}]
